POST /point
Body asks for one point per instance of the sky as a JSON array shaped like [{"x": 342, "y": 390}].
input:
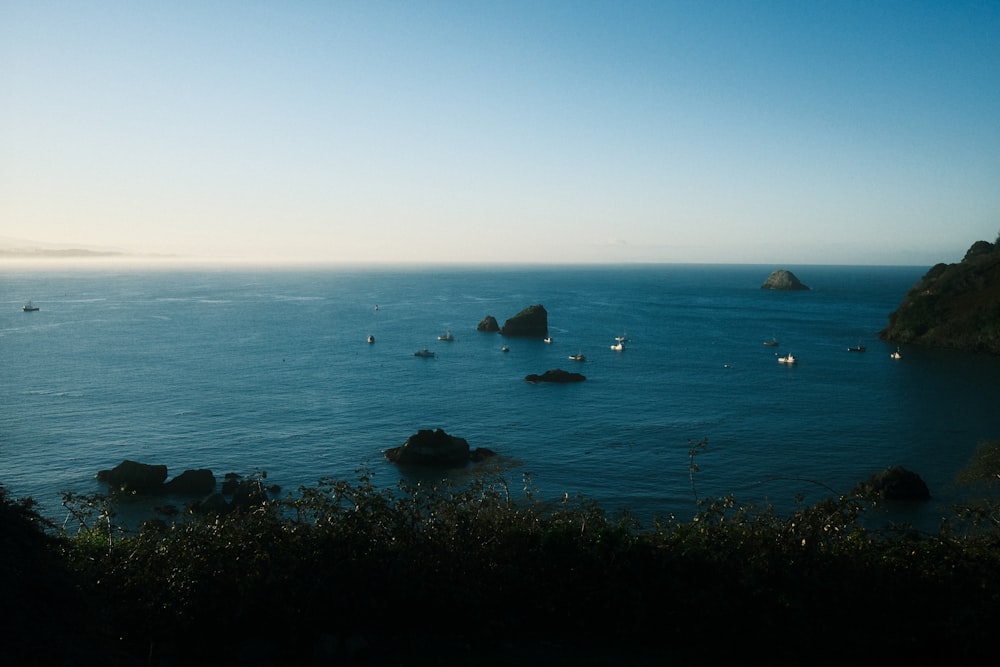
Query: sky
[{"x": 799, "y": 132}]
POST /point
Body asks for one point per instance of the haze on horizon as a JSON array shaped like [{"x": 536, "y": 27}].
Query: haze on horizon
[{"x": 476, "y": 132}]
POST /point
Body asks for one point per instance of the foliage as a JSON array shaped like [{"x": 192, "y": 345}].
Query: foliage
[
  {"x": 344, "y": 573},
  {"x": 984, "y": 467}
]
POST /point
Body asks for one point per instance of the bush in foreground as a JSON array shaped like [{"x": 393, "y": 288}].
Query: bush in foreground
[{"x": 345, "y": 573}]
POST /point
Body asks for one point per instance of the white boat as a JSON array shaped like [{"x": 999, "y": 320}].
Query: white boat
[
  {"x": 505, "y": 348},
  {"x": 787, "y": 359},
  {"x": 619, "y": 346},
  {"x": 896, "y": 354},
  {"x": 423, "y": 353},
  {"x": 446, "y": 336},
  {"x": 578, "y": 357},
  {"x": 30, "y": 307},
  {"x": 547, "y": 339},
  {"x": 371, "y": 339}
]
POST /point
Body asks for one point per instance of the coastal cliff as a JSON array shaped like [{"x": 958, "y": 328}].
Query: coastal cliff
[{"x": 954, "y": 305}]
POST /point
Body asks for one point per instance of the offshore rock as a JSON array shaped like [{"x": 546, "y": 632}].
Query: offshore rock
[
  {"x": 555, "y": 375},
  {"x": 895, "y": 483},
  {"x": 427, "y": 447},
  {"x": 192, "y": 483},
  {"x": 532, "y": 322},
  {"x": 783, "y": 280},
  {"x": 488, "y": 324},
  {"x": 134, "y": 477},
  {"x": 954, "y": 305}
]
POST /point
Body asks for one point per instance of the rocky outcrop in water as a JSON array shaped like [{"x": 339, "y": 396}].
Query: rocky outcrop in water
[
  {"x": 435, "y": 448},
  {"x": 532, "y": 322},
  {"x": 134, "y": 477},
  {"x": 954, "y": 305},
  {"x": 488, "y": 324},
  {"x": 783, "y": 280},
  {"x": 555, "y": 375}
]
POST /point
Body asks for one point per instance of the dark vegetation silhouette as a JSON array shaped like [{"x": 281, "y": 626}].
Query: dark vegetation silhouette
[
  {"x": 953, "y": 305},
  {"x": 345, "y": 573}
]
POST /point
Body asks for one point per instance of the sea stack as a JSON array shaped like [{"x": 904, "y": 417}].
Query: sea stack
[
  {"x": 783, "y": 280},
  {"x": 532, "y": 322}
]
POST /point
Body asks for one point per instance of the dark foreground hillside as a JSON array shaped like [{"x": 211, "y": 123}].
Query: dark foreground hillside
[
  {"x": 954, "y": 305},
  {"x": 348, "y": 575}
]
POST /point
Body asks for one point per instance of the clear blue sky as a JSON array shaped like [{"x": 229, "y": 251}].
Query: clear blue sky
[{"x": 767, "y": 132}]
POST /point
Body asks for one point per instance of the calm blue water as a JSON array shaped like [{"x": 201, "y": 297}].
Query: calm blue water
[{"x": 243, "y": 370}]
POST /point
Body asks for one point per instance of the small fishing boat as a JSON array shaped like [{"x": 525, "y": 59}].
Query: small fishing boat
[
  {"x": 619, "y": 346},
  {"x": 787, "y": 359},
  {"x": 446, "y": 336},
  {"x": 857, "y": 348},
  {"x": 30, "y": 307},
  {"x": 371, "y": 339},
  {"x": 505, "y": 348},
  {"x": 771, "y": 343},
  {"x": 578, "y": 357},
  {"x": 547, "y": 339},
  {"x": 423, "y": 353},
  {"x": 896, "y": 354}
]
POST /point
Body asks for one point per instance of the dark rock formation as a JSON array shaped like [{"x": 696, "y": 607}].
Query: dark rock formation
[
  {"x": 133, "y": 477},
  {"x": 783, "y": 280},
  {"x": 192, "y": 483},
  {"x": 532, "y": 322},
  {"x": 954, "y": 305},
  {"x": 481, "y": 454},
  {"x": 896, "y": 483},
  {"x": 488, "y": 324},
  {"x": 434, "y": 448},
  {"x": 244, "y": 494},
  {"x": 555, "y": 375}
]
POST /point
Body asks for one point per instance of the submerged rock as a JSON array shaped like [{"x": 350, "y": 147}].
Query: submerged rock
[{"x": 783, "y": 280}]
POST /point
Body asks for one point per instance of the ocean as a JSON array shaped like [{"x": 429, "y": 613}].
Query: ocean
[{"x": 269, "y": 370}]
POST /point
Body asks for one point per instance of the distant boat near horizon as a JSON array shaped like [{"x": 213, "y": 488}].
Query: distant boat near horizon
[{"x": 30, "y": 307}]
